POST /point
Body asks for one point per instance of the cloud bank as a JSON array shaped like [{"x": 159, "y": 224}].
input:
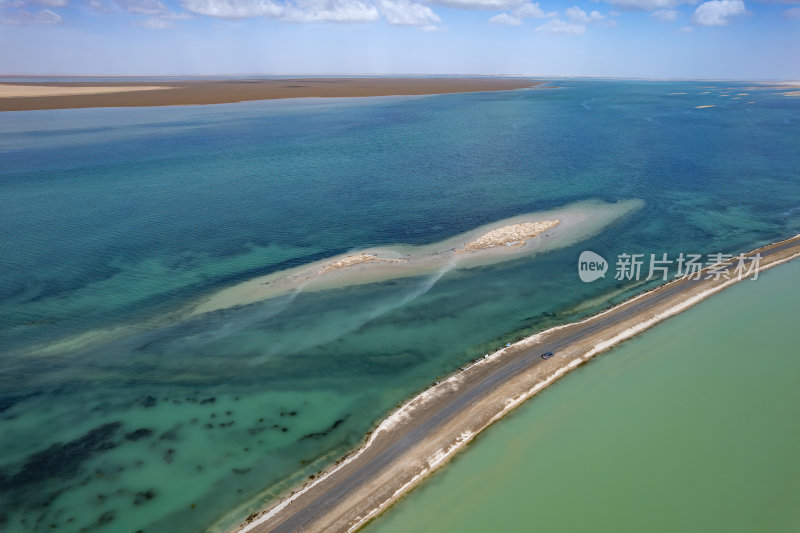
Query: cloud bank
[{"x": 717, "y": 12}]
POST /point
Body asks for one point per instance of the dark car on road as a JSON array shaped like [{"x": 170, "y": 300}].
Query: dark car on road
[{"x": 547, "y": 355}]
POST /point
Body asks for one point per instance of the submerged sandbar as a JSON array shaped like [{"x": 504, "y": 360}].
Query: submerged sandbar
[
  {"x": 499, "y": 241},
  {"x": 507, "y": 239}
]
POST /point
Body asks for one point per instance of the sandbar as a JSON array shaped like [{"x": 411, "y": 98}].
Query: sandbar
[
  {"x": 513, "y": 234},
  {"x": 492, "y": 243},
  {"x": 353, "y": 260},
  {"x": 576, "y": 222},
  {"x": 62, "y": 95}
]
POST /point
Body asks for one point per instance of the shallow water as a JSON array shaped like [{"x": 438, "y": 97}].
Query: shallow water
[
  {"x": 690, "y": 427},
  {"x": 119, "y": 218}
]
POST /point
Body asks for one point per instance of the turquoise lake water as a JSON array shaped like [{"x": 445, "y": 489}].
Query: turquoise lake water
[
  {"x": 114, "y": 220},
  {"x": 690, "y": 427}
]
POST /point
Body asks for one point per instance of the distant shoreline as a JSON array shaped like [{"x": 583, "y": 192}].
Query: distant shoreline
[
  {"x": 425, "y": 432},
  {"x": 27, "y": 96}
]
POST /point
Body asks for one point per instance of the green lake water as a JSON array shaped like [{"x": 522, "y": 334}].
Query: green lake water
[{"x": 691, "y": 426}]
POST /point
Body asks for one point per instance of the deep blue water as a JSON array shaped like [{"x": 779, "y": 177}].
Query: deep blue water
[{"x": 121, "y": 217}]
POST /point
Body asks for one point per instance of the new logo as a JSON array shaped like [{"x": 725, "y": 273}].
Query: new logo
[{"x": 591, "y": 266}]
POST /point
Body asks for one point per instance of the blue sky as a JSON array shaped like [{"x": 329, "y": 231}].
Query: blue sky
[{"x": 731, "y": 39}]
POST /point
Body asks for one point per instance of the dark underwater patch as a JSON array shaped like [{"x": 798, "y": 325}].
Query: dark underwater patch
[
  {"x": 325, "y": 432},
  {"x": 63, "y": 459},
  {"x": 140, "y": 433}
]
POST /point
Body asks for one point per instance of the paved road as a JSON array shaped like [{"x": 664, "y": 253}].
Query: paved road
[{"x": 318, "y": 506}]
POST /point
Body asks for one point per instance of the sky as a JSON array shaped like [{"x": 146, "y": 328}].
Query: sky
[{"x": 683, "y": 39}]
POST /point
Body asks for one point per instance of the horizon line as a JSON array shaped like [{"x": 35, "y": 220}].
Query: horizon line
[{"x": 394, "y": 75}]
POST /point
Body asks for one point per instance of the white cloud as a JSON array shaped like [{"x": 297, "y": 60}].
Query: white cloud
[
  {"x": 505, "y": 19},
  {"x": 558, "y": 26},
  {"x": 156, "y": 23},
  {"x": 532, "y": 10},
  {"x": 523, "y": 11},
  {"x": 98, "y": 6},
  {"x": 407, "y": 13},
  {"x": 793, "y": 13},
  {"x": 234, "y": 8},
  {"x": 577, "y": 20},
  {"x": 717, "y": 12},
  {"x": 143, "y": 7},
  {"x": 299, "y": 11},
  {"x": 162, "y": 22},
  {"x": 159, "y": 16},
  {"x": 51, "y": 3},
  {"x": 331, "y": 11},
  {"x": 45, "y": 16},
  {"x": 24, "y": 18},
  {"x": 478, "y": 4},
  {"x": 576, "y": 14},
  {"x": 665, "y": 15},
  {"x": 649, "y": 5}
]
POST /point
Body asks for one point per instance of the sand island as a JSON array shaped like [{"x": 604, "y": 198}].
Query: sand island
[
  {"x": 514, "y": 234},
  {"x": 503, "y": 240},
  {"x": 353, "y": 260},
  {"x": 511, "y": 235}
]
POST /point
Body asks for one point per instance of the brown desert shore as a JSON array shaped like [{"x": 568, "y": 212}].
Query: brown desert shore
[
  {"x": 424, "y": 433},
  {"x": 22, "y": 96}
]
